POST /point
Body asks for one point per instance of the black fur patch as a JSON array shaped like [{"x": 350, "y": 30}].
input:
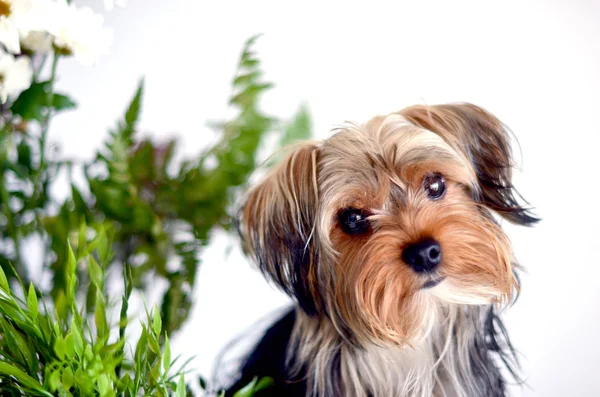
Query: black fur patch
[
  {"x": 269, "y": 358},
  {"x": 490, "y": 344}
]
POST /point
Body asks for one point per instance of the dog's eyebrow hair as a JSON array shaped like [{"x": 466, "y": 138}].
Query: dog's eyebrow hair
[{"x": 397, "y": 193}]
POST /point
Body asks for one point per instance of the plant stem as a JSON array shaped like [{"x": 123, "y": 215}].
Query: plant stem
[
  {"x": 41, "y": 172},
  {"x": 11, "y": 226},
  {"x": 127, "y": 288},
  {"x": 48, "y": 117},
  {"x": 39, "y": 69}
]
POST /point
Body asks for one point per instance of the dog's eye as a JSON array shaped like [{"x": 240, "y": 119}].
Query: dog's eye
[
  {"x": 435, "y": 186},
  {"x": 353, "y": 221}
]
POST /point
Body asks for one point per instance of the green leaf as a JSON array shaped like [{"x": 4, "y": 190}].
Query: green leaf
[
  {"x": 60, "y": 307},
  {"x": 248, "y": 97},
  {"x": 157, "y": 322},
  {"x": 81, "y": 206},
  {"x": 82, "y": 381},
  {"x": 71, "y": 275},
  {"x": 249, "y": 63},
  {"x": 166, "y": 355},
  {"x": 18, "y": 169},
  {"x": 77, "y": 339},
  {"x": 153, "y": 343},
  {"x": 54, "y": 380},
  {"x": 88, "y": 354},
  {"x": 24, "y": 155},
  {"x": 22, "y": 378},
  {"x": 124, "y": 383},
  {"x": 4, "y": 282},
  {"x": 62, "y": 102},
  {"x": 103, "y": 383},
  {"x": 68, "y": 379},
  {"x": 11, "y": 336},
  {"x": 103, "y": 246},
  {"x": 19, "y": 340},
  {"x": 264, "y": 383},
  {"x": 246, "y": 78},
  {"x": 81, "y": 239},
  {"x": 31, "y": 103},
  {"x": 254, "y": 386},
  {"x": 180, "y": 387},
  {"x": 141, "y": 348},
  {"x": 246, "y": 391},
  {"x": 298, "y": 129},
  {"x": 70, "y": 345},
  {"x": 96, "y": 273},
  {"x": 250, "y": 41},
  {"x": 100, "y": 315},
  {"x": 128, "y": 286},
  {"x": 133, "y": 112},
  {"x": 60, "y": 348},
  {"x": 32, "y": 302}
]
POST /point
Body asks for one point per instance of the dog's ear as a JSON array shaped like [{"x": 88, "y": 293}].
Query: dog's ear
[
  {"x": 485, "y": 142},
  {"x": 277, "y": 221}
]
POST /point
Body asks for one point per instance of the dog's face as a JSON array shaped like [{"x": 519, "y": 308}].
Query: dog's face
[{"x": 383, "y": 223}]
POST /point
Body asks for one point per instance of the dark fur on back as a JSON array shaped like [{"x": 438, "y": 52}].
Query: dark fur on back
[
  {"x": 269, "y": 358},
  {"x": 489, "y": 347}
]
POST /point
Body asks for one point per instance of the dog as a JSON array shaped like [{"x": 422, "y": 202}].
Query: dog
[{"x": 387, "y": 236}]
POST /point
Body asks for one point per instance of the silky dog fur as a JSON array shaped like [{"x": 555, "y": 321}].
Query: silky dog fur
[{"x": 387, "y": 236}]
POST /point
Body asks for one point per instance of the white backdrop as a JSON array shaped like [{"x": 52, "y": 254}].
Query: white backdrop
[{"x": 535, "y": 64}]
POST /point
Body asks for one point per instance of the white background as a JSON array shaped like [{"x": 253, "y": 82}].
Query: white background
[{"x": 535, "y": 64}]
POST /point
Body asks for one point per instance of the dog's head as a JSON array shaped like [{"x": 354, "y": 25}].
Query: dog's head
[{"x": 381, "y": 224}]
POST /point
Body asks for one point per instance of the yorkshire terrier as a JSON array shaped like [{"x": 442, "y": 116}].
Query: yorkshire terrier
[{"x": 387, "y": 237}]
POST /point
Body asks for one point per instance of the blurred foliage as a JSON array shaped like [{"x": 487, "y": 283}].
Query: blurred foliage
[
  {"x": 152, "y": 216},
  {"x": 59, "y": 351},
  {"x": 298, "y": 129}
]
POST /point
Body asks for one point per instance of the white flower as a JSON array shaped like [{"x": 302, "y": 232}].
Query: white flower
[
  {"x": 39, "y": 25},
  {"x": 15, "y": 75},
  {"x": 79, "y": 31},
  {"x": 31, "y": 15},
  {"x": 18, "y": 18},
  {"x": 109, "y": 5},
  {"x": 10, "y": 11},
  {"x": 38, "y": 42},
  {"x": 9, "y": 35}
]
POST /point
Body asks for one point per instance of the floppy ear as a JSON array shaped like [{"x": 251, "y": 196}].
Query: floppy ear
[
  {"x": 277, "y": 222},
  {"x": 485, "y": 142}
]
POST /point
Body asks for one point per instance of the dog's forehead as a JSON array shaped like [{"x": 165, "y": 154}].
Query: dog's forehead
[
  {"x": 370, "y": 164},
  {"x": 385, "y": 143}
]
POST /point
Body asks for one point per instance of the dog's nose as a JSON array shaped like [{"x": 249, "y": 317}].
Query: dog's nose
[{"x": 424, "y": 256}]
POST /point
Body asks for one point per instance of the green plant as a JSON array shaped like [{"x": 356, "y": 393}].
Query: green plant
[
  {"x": 157, "y": 214},
  {"x": 59, "y": 350},
  {"x": 144, "y": 210}
]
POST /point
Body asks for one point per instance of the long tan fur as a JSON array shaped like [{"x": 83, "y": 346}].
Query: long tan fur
[{"x": 366, "y": 324}]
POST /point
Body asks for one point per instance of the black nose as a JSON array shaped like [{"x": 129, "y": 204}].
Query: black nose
[{"x": 423, "y": 256}]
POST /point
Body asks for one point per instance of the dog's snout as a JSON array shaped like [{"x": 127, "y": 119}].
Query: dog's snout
[{"x": 424, "y": 256}]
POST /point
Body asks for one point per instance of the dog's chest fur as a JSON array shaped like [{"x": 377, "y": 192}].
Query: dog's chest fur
[
  {"x": 450, "y": 359},
  {"x": 456, "y": 358}
]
